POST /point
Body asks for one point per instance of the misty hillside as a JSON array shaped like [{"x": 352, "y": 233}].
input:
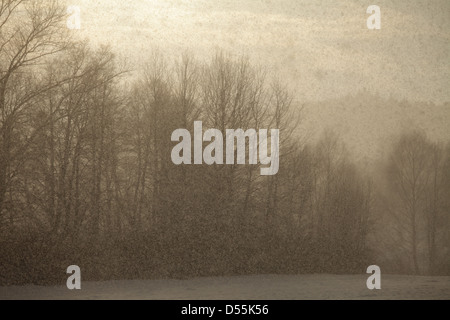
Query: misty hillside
[{"x": 367, "y": 122}]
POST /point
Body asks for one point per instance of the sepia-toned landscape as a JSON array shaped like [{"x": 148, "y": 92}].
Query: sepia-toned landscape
[{"x": 90, "y": 101}]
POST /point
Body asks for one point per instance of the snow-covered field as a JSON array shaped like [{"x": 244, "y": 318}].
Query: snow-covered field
[{"x": 315, "y": 286}]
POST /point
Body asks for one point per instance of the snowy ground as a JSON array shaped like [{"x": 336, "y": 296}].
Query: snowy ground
[{"x": 246, "y": 287}]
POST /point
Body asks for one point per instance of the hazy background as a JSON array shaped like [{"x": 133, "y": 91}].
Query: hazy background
[{"x": 322, "y": 50}]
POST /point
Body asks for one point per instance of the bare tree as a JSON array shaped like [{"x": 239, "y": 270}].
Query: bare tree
[
  {"x": 30, "y": 32},
  {"x": 409, "y": 175}
]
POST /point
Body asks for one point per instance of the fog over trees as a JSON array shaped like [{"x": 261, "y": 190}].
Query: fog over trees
[{"x": 86, "y": 175}]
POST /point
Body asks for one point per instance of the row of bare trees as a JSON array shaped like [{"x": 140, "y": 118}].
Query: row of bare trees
[{"x": 86, "y": 170}]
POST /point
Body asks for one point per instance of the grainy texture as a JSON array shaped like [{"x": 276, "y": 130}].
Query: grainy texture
[{"x": 104, "y": 164}]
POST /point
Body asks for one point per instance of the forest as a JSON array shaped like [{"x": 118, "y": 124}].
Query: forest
[{"x": 86, "y": 175}]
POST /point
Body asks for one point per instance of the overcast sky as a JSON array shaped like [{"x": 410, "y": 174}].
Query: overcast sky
[{"x": 322, "y": 48}]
